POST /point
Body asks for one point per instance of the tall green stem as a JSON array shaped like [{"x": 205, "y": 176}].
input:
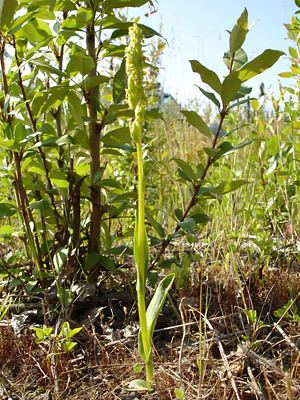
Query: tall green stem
[{"x": 141, "y": 242}]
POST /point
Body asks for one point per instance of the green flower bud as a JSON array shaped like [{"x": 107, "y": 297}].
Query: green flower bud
[
  {"x": 134, "y": 66},
  {"x": 135, "y": 74},
  {"x": 135, "y": 131},
  {"x": 136, "y": 127}
]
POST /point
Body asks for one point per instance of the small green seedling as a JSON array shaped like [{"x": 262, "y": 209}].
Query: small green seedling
[
  {"x": 61, "y": 341},
  {"x": 255, "y": 325},
  {"x": 288, "y": 312},
  {"x": 179, "y": 393}
]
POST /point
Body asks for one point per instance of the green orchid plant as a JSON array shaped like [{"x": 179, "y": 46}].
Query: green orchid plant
[{"x": 147, "y": 316}]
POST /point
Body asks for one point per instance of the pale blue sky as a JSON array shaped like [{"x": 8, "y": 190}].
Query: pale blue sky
[{"x": 196, "y": 29}]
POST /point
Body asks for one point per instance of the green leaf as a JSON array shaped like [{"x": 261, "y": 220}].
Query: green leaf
[
  {"x": 186, "y": 168},
  {"x": 125, "y": 3},
  {"x": 119, "y": 250},
  {"x": 7, "y": 210},
  {"x": 200, "y": 218},
  {"x": 57, "y": 96},
  {"x": 138, "y": 385},
  {"x": 36, "y": 31},
  {"x": 287, "y": 74},
  {"x": 59, "y": 179},
  {"x": 293, "y": 52},
  {"x": 259, "y": 64},
  {"x": 168, "y": 262},
  {"x": 227, "y": 148},
  {"x": 91, "y": 261},
  {"x": 111, "y": 151},
  {"x": 158, "y": 300},
  {"x": 92, "y": 81},
  {"x": 227, "y": 187},
  {"x": 296, "y": 125},
  {"x": 20, "y": 133},
  {"x": 19, "y": 22},
  {"x": 97, "y": 176},
  {"x": 194, "y": 119},
  {"x": 40, "y": 205},
  {"x": 66, "y": 139},
  {"x": 82, "y": 169},
  {"x": 67, "y": 346},
  {"x": 64, "y": 5},
  {"x": 240, "y": 58},
  {"x": 113, "y": 50},
  {"x": 123, "y": 30},
  {"x": 208, "y": 76},
  {"x": 156, "y": 225},
  {"x": 37, "y": 102},
  {"x": 149, "y": 32},
  {"x": 200, "y": 167},
  {"x": 283, "y": 311},
  {"x": 179, "y": 393},
  {"x": 119, "y": 83},
  {"x": 65, "y": 328},
  {"x": 107, "y": 262},
  {"x": 110, "y": 21},
  {"x": 59, "y": 259},
  {"x": 6, "y": 230},
  {"x": 297, "y": 2},
  {"x": 155, "y": 113},
  {"x": 42, "y": 333},
  {"x": 81, "y": 19},
  {"x": 211, "y": 151},
  {"x": 239, "y": 32},
  {"x": 182, "y": 273},
  {"x": 117, "y": 137},
  {"x": 112, "y": 183},
  {"x": 178, "y": 214},
  {"x": 211, "y": 96},
  {"x": 242, "y": 92},
  {"x": 81, "y": 63},
  {"x": 7, "y": 12},
  {"x": 295, "y": 69},
  {"x": 152, "y": 276},
  {"x": 138, "y": 368},
  {"x": 65, "y": 296},
  {"x": 45, "y": 66},
  {"x": 154, "y": 309},
  {"x": 75, "y": 108},
  {"x": 240, "y": 102},
  {"x": 230, "y": 87},
  {"x": 188, "y": 225},
  {"x": 53, "y": 99}
]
